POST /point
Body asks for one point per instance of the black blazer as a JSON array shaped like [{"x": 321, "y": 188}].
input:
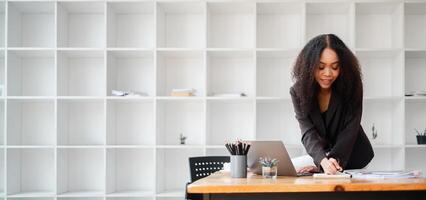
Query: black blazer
[{"x": 340, "y": 136}]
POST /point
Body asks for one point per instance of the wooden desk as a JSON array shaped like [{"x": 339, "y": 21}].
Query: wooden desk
[{"x": 221, "y": 186}]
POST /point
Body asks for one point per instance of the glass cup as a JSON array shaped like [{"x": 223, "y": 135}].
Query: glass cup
[{"x": 269, "y": 172}]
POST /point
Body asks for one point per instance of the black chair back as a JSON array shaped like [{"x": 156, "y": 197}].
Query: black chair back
[{"x": 201, "y": 167}]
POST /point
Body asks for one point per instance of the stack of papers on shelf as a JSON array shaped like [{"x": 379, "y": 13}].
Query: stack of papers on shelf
[
  {"x": 242, "y": 94},
  {"x": 184, "y": 92},
  {"x": 128, "y": 93},
  {"x": 384, "y": 174},
  {"x": 416, "y": 93}
]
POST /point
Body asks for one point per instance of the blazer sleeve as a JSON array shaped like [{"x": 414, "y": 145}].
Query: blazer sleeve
[
  {"x": 313, "y": 142},
  {"x": 345, "y": 139}
]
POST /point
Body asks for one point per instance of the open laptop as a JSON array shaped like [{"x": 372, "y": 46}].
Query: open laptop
[{"x": 271, "y": 149}]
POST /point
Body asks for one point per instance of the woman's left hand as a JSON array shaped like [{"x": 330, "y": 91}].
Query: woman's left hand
[{"x": 307, "y": 169}]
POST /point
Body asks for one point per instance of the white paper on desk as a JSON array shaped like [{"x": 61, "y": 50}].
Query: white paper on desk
[
  {"x": 302, "y": 161},
  {"x": 384, "y": 174},
  {"x": 338, "y": 175}
]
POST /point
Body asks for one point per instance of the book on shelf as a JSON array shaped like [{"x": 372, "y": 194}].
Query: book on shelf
[
  {"x": 185, "y": 92},
  {"x": 182, "y": 94}
]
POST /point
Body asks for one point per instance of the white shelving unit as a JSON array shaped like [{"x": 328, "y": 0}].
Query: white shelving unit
[{"x": 64, "y": 136}]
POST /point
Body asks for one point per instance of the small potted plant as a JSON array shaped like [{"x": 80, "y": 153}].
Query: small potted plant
[
  {"x": 269, "y": 167},
  {"x": 421, "y": 137}
]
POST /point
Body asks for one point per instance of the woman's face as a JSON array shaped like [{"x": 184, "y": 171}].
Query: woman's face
[{"x": 328, "y": 70}]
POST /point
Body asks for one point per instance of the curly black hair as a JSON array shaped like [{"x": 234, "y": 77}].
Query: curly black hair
[{"x": 348, "y": 85}]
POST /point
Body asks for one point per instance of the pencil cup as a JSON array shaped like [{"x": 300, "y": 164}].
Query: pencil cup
[{"x": 238, "y": 166}]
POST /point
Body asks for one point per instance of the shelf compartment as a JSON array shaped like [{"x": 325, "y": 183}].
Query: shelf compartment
[
  {"x": 2, "y": 22},
  {"x": 383, "y": 73},
  {"x": 378, "y": 25},
  {"x": 173, "y": 171},
  {"x": 81, "y": 122},
  {"x": 31, "y": 122},
  {"x": 414, "y": 161},
  {"x": 415, "y": 71},
  {"x": 387, "y": 159},
  {"x": 2, "y": 71},
  {"x": 129, "y": 172},
  {"x": 169, "y": 198},
  {"x": 181, "y": 24},
  {"x": 81, "y": 172},
  {"x": 222, "y": 151},
  {"x": 130, "y": 198},
  {"x": 270, "y": 118},
  {"x": 231, "y": 72},
  {"x": 31, "y": 24},
  {"x": 80, "y": 198},
  {"x": 82, "y": 194},
  {"x": 180, "y": 117},
  {"x": 271, "y": 66},
  {"x": 131, "y": 71},
  {"x": 81, "y": 73},
  {"x": 2, "y": 172},
  {"x": 30, "y": 171},
  {"x": 388, "y": 119},
  {"x": 2, "y": 123},
  {"x": 131, "y": 195},
  {"x": 414, "y": 20},
  {"x": 228, "y": 120},
  {"x": 32, "y": 196},
  {"x": 414, "y": 119},
  {"x": 231, "y": 24},
  {"x": 279, "y": 25},
  {"x": 130, "y": 122},
  {"x": 131, "y": 24},
  {"x": 324, "y": 18},
  {"x": 31, "y": 73},
  {"x": 81, "y": 24},
  {"x": 180, "y": 69}
]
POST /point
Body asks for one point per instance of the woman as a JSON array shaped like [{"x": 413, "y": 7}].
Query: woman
[{"x": 327, "y": 99}]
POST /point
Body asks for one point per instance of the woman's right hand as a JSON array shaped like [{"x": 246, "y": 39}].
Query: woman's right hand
[{"x": 330, "y": 166}]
